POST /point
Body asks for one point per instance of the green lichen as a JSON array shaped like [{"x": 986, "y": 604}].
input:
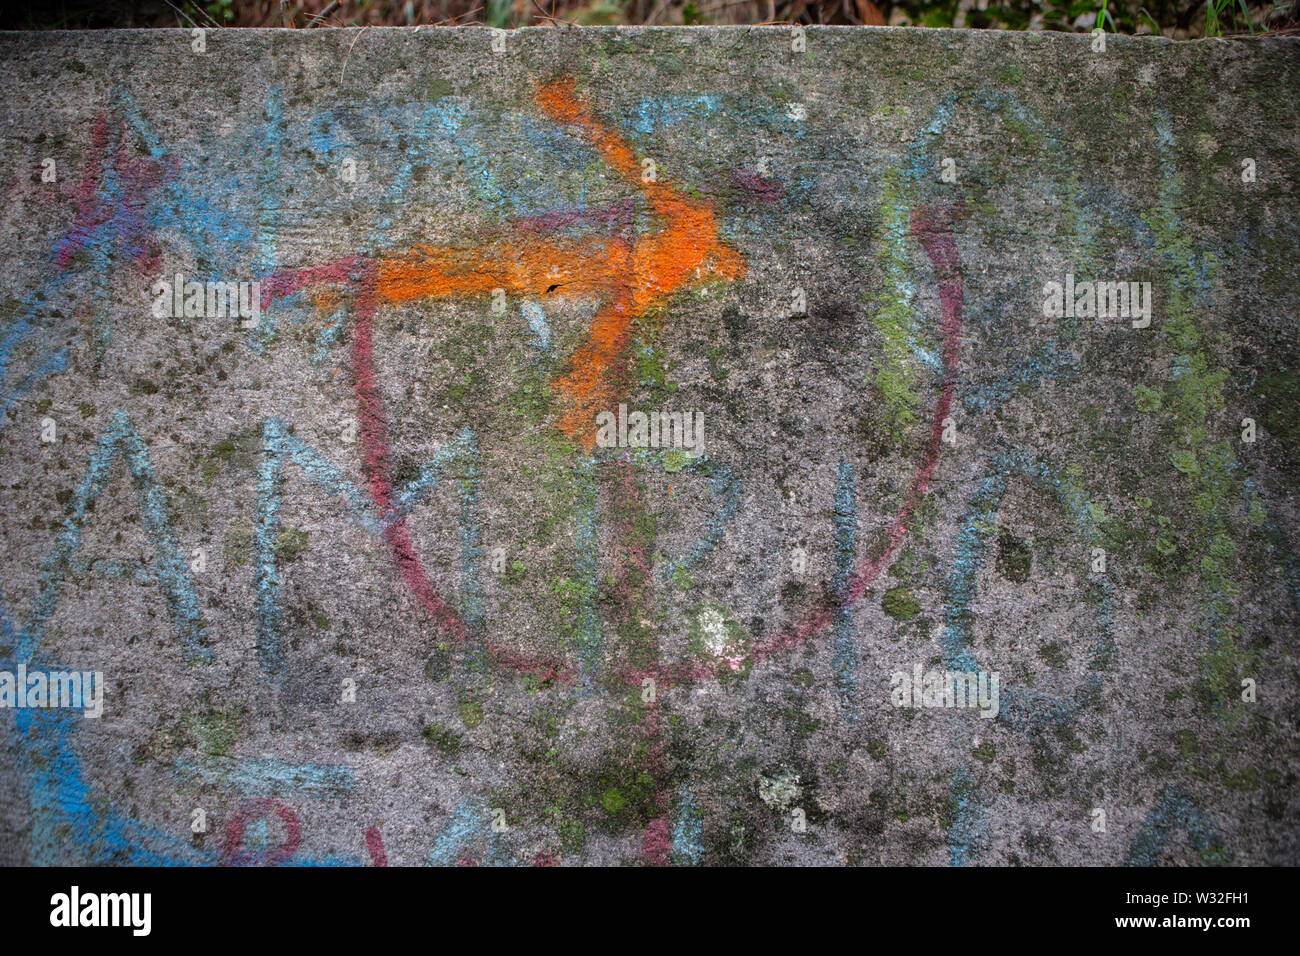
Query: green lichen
[
  {"x": 213, "y": 734},
  {"x": 1207, "y": 473},
  {"x": 239, "y": 450},
  {"x": 516, "y": 573},
  {"x": 651, "y": 371},
  {"x": 471, "y": 714},
  {"x": 290, "y": 544},
  {"x": 899, "y": 604},
  {"x": 1148, "y": 400},
  {"x": 613, "y": 801},
  {"x": 1052, "y": 655},
  {"x": 444, "y": 739},
  {"x": 894, "y": 376},
  {"x": 238, "y": 543},
  {"x": 674, "y": 461},
  {"x": 1185, "y": 461}
]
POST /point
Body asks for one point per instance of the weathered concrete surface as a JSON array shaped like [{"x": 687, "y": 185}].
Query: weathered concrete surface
[{"x": 353, "y": 463}]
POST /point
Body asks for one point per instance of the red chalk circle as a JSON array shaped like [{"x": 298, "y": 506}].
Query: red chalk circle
[{"x": 232, "y": 854}]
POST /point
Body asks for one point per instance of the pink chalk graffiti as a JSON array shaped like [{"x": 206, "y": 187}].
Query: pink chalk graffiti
[{"x": 233, "y": 853}]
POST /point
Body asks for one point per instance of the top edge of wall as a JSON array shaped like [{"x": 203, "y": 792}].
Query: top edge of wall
[{"x": 1029, "y": 36}]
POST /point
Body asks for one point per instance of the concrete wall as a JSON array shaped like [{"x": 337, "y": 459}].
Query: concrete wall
[{"x": 363, "y": 585}]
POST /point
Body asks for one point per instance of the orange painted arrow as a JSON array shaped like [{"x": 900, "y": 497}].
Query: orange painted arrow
[{"x": 632, "y": 276}]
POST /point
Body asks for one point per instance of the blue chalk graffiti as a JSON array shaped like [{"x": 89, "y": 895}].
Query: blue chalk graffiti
[
  {"x": 277, "y": 445},
  {"x": 845, "y": 664}
]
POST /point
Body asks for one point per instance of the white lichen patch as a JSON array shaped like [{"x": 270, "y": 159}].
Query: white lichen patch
[
  {"x": 719, "y": 637},
  {"x": 780, "y": 791}
]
